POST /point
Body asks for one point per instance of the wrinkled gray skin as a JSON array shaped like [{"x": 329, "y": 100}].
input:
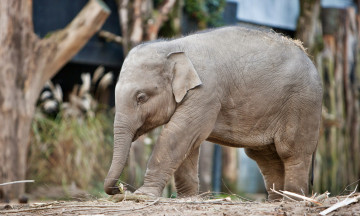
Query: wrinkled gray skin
[{"x": 233, "y": 86}]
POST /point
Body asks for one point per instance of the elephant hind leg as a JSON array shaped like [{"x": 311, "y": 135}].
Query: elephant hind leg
[
  {"x": 271, "y": 167},
  {"x": 186, "y": 176},
  {"x": 296, "y": 142},
  {"x": 297, "y": 175},
  {"x": 297, "y": 163}
]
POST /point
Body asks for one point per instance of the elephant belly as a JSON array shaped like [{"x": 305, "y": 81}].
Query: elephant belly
[
  {"x": 242, "y": 132},
  {"x": 233, "y": 140}
]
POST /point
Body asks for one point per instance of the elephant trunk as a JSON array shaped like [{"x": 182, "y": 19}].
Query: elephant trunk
[{"x": 123, "y": 136}]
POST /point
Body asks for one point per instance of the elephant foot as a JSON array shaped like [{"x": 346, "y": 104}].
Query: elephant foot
[
  {"x": 129, "y": 196},
  {"x": 187, "y": 193},
  {"x": 149, "y": 191},
  {"x": 273, "y": 197}
]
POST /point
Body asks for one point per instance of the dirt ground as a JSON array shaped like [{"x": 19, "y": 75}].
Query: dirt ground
[{"x": 190, "y": 206}]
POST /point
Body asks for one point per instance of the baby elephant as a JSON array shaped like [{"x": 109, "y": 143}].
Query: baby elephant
[{"x": 234, "y": 86}]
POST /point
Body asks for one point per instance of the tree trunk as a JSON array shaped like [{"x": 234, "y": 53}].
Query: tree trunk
[
  {"x": 334, "y": 46},
  {"x": 26, "y": 63},
  {"x": 308, "y": 22},
  {"x": 14, "y": 146},
  {"x": 140, "y": 21},
  {"x": 205, "y": 166},
  {"x": 229, "y": 169},
  {"x": 338, "y": 163}
]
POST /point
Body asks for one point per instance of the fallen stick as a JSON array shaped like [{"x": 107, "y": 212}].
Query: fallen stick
[
  {"x": 343, "y": 203},
  {"x": 273, "y": 190},
  {"x": 228, "y": 199},
  {"x": 204, "y": 202},
  {"x": 301, "y": 197},
  {"x": 177, "y": 210},
  {"x": 135, "y": 209},
  {"x": 129, "y": 196},
  {"x": 319, "y": 198},
  {"x": 81, "y": 207},
  {"x": 322, "y": 196},
  {"x": 17, "y": 182}
]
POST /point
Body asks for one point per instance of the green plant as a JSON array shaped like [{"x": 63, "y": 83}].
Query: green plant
[{"x": 208, "y": 13}]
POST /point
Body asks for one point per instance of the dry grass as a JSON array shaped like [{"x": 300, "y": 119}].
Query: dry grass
[
  {"x": 71, "y": 144},
  {"x": 65, "y": 151},
  {"x": 188, "y": 206}
]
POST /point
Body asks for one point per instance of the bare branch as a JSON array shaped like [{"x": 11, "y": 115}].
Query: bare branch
[
  {"x": 71, "y": 39},
  {"x": 155, "y": 25},
  {"x": 17, "y": 182},
  {"x": 110, "y": 37},
  {"x": 137, "y": 30},
  {"x": 124, "y": 22}
]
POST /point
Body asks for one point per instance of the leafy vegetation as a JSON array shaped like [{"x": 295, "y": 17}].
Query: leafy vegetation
[
  {"x": 72, "y": 142},
  {"x": 208, "y": 13},
  {"x": 68, "y": 150}
]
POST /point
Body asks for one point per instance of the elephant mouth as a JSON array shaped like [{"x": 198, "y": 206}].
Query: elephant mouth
[
  {"x": 136, "y": 136},
  {"x": 142, "y": 131},
  {"x": 138, "y": 133}
]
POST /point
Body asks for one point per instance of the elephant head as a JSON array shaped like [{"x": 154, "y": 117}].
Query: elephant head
[{"x": 152, "y": 83}]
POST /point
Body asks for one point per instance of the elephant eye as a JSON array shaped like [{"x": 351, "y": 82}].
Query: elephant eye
[{"x": 141, "y": 98}]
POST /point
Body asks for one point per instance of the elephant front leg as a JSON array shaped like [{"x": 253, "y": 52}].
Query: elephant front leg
[
  {"x": 172, "y": 152},
  {"x": 178, "y": 149},
  {"x": 160, "y": 168},
  {"x": 186, "y": 176}
]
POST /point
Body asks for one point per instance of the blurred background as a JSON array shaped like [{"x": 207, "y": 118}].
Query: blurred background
[{"x": 71, "y": 138}]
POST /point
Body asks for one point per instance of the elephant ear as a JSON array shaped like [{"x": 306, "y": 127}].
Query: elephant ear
[{"x": 185, "y": 76}]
